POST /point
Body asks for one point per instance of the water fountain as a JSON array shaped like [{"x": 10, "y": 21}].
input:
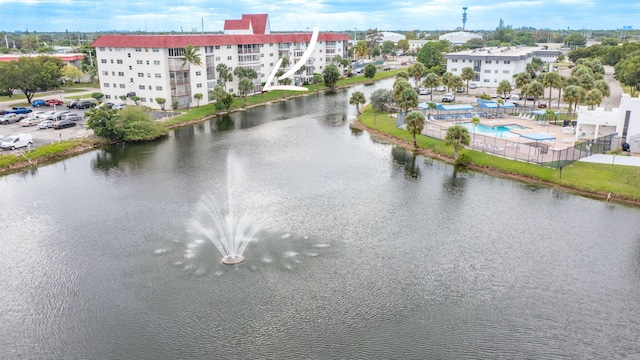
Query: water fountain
[{"x": 229, "y": 229}]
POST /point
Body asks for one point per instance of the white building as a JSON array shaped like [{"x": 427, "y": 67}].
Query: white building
[
  {"x": 416, "y": 45},
  {"x": 459, "y": 37},
  {"x": 625, "y": 121},
  {"x": 492, "y": 65},
  {"x": 151, "y": 66}
]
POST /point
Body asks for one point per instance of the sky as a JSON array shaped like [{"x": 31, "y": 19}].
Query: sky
[{"x": 301, "y": 15}]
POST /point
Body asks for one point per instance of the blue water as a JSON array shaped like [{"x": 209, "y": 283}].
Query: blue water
[{"x": 500, "y": 131}]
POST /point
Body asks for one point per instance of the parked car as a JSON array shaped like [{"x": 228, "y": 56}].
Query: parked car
[
  {"x": 11, "y": 118},
  {"x": 16, "y": 141},
  {"x": 61, "y": 124},
  {"x": 514, "y": 97},
  {"x": 52, "y": 102},
  {"x": 38, "y": 102},
  {"x": 58, "y": 114},
  {"x": 46, "y": 124},
  {"x": 19, "y": 110},
  {"x": 107, "y": 105},
  {"x": 494, "y": 95},
  {"x": 542, "y": 105},
  {"x": 76, "y": 103},
  {"x": 49, "y": 115},
  {"x": 460, "y": 91},
  {"x": 448, "y": 97},
  {"x": 85, "y": 104},
  {"x": 472, "y": 86},
  {"x": 30, "y": 121},
  {"x": 531, "y": 98},
  {"x": 71, "y": 116},
  {"x": 441, "y": 88},
  {"x": 424, "y": 91},
  {"x": 119, "y": 106}
]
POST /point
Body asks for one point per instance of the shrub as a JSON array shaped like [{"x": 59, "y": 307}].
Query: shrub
[{"x": 463, "y": 159}]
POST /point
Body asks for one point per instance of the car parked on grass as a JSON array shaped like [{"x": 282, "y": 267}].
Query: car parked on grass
[
  {"x": 46, "y": 124},
  {"x": 38, "y": 102},
  {"x": 61, "y": 124}
]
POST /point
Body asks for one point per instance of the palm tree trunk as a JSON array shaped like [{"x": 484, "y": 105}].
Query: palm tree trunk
[{"x": 559, "y": 96}]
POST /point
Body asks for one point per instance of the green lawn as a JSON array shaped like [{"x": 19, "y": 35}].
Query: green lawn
[{"x": 621, "y": 181}]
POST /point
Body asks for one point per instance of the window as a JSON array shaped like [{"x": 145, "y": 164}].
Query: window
[
  {"x": 156, "y": 62},
  {"x": 230, "y": 90},
  {"x": 115, "y": 86},
  {"x": 148, "y": 74},
  {"x": 229, "y": 57},
  {"x": 487, "y": 71},
  {"x": 198, "y": 86},
  {"x": 103, "y": 61},
  {"x": 143, "y": 99},
  {"x": 271, "y": 54},
  {"x": 158, "y": 75},
  {"x": 130, "y": 67},
  {"x": 107, "y": 96},
  {"x": 228, "y": 46},
  {"x": 106, "y": 84},
  {"x": 217, "y": 58},
  {"x": 141, "y": 87},
  {"x": 488, "y": 62},
  {"x": 198, "y": 73},
  {"x": 507, "y": 62},
  {"x": 138, "y": 49},
  {"x": 113, "y": 73},
  {"x": 119, "y": 61},
  {"x": 105, "y": 73},
  {"x": 505, "y": 71},
  {"x": 101, "y": 48},
  {"x": 452, "y": 70},
  {"x": 454, "y": 60},
  {"x": 487, "y": 80},
  {"x": 120, "y": 73},
  {"x": 155, "y": 50},
  {"x": 139, "y": 62},
  {"x": 496, "y": 71},
  {"x": 140, "y": 74},
  {"x": 147, "y": 61},
  {"x": 217, "y": 47},
  {"x": 159, "y": 88},
  {"x": 463, "y": 60},
  {"x": 128, "y": 54},
  {"x": 112, "y": 61},
  {"x": 122, "y": 86}
]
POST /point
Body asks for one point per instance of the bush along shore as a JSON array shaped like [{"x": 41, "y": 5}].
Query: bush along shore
[{"x": 601, "y": 181}]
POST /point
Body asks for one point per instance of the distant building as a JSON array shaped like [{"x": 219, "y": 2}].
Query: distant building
[
  {"x": 459, "y": 37},
  {"x": 151, "y": 66},
  {"x": 495, "y": 64},
  {"x": 416, "y": 45},
  {"x": 392, "y": 36}
]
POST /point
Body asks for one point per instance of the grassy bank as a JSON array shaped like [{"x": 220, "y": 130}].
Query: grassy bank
[{"x": 597, "y": 180}]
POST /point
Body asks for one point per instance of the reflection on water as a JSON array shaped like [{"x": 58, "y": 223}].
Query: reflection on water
[{"x": 406, "y": 159}]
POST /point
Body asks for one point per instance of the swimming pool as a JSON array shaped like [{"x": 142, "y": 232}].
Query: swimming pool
[{"x": 499, "y": 131}]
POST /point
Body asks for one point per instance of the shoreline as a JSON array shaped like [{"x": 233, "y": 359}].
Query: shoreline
[{"x": 492, "y": 171}]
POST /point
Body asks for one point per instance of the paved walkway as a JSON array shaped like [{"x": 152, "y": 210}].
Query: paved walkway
[{"x": 613, "y": 159}]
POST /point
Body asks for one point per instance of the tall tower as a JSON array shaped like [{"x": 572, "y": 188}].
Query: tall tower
[{"x": 464, "y": 17}]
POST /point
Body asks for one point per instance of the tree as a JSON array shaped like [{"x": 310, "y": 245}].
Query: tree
[
  {"x": 603, "y": 87},
  {"x": 71, "y": 73},
  {"x": 399, "y": 86},
  {"x": 475, "y": 121},
  {"x": 499, "y": 103},
  {"x": 431, "y": 106},
  {"x": 198, "y": 97},
  {"x": 222, "y": 97},
  {"x": 135, "y": 99},
  {"x": 575, "y": 39},
  {"x": 245, "y": 86},
  {"x": 415, "y": 125},
  {"x": 446, "y": 79},
  {"x": 161, "y": 102},
  {"x": 457, "y": 136},
  {"x": 468, "y": 74},
  {"x": 98, "y": 96},
  {"x": 407, "y": 99},
  {"x": 504, "y": 88},
  {"x": 8, "y": 79},
  {"x": 356, "y": 99},
  {"x": 316, "y": 79},
  {"x": 224, "y": 75},
  {"x": 129, "y": 124},
  {"x": 456, "y": 82},
  {"x": 432, "y": 53},
  {"x": 388, "y": 48},
  {"x": 381, "y": 100},
  {"x": 403, "y": 45},
  {"x": 29, "y": 44},
  {"x": 593, "y": 98},
  {"x": 571, "y": 95},
  {"x": 536, "y": 90},
  {"x": 431, "y": 81},
  {"x": 369, "y": 71},
  {"x": 551, "y": 80},
  {"x": 403, "y": 75},
  {"x": 330, "y": 75},
  {"x": 361, "y": 49},
  {"x": 416, "y": 71},
  {"x": 190, "y": 56},
  {"x": 36, "y": 73},
  {"x": 123, "y": 98}
]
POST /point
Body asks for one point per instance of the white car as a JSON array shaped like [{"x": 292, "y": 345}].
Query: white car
[
  {"x": 118, "y": 106},
  {"x": 46, "y": 124},
  {"x": 441, "y": 88},
  {"x": 448, "y": 97},
  {"x": 30, "y": 121},
  {"x": 424, "y": 91}
]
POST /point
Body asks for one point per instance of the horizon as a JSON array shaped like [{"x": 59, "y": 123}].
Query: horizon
[{"x": 196, "y": 16}]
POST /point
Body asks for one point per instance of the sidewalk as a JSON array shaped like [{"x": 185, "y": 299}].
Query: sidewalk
[{"x": 613, "y": 159}]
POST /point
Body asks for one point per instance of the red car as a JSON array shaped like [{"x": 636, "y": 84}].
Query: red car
[
  {"x": 542, "y": 105},
  {"x": 52, "y": 102}
]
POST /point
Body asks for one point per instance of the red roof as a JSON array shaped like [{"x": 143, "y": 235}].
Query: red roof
[
  {"x": 237, "y": 24},
  {"x": 64, "y": 57},
  {"x": 258, "y": 22},
  {"x": 180, "y": 41}
]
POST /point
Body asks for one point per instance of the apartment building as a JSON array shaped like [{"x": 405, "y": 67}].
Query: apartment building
[
  {"x": 492, "y": 65},
  {"x": 152, "y": 66}
]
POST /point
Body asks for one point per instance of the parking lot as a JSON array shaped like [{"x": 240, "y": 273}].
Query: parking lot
[{"x": 47, "y": 136}]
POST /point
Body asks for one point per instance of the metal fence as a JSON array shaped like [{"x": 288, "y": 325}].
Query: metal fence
[{"x": 537, "y": 152}]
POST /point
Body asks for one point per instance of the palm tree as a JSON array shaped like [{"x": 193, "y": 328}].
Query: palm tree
[
  {"x": 416, "y": 71},
  {"x": 457, "y": 136},
  {"x": 245, "y": 85},
  {"x": 571, "y": 95},
  {"x": 446, "y": 79},
  {"x": 224, "y": 75},
  {"x": 431, "y": 106},
  {"x": 361, "y": 49},
  {"x": 191, "y": 56},
  {"x": 475, "y": 121},
  {"x": 198, "y": 97},
  {"x": 415, "y": 125},
  {"x": 456, "y": 82},
  {"x": 603, "y": 87},
  {"x": 499, "y": 102},
  {"x": 399, "y": 86},
  {"x": 551, "y": 80},
  {"x": 356, "y": 99},
  {"x": 431, "y": 81},
  {"x": 593, "y": 98},
  {"x": 504, "y": 88},
  {"x": 408, "y": 99},
  {"x": 468, "y": 74},
  {"x": 536, "y": 90},
  {"x": 317, "y": 79},
  {"x": 561, "y": 84}
]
